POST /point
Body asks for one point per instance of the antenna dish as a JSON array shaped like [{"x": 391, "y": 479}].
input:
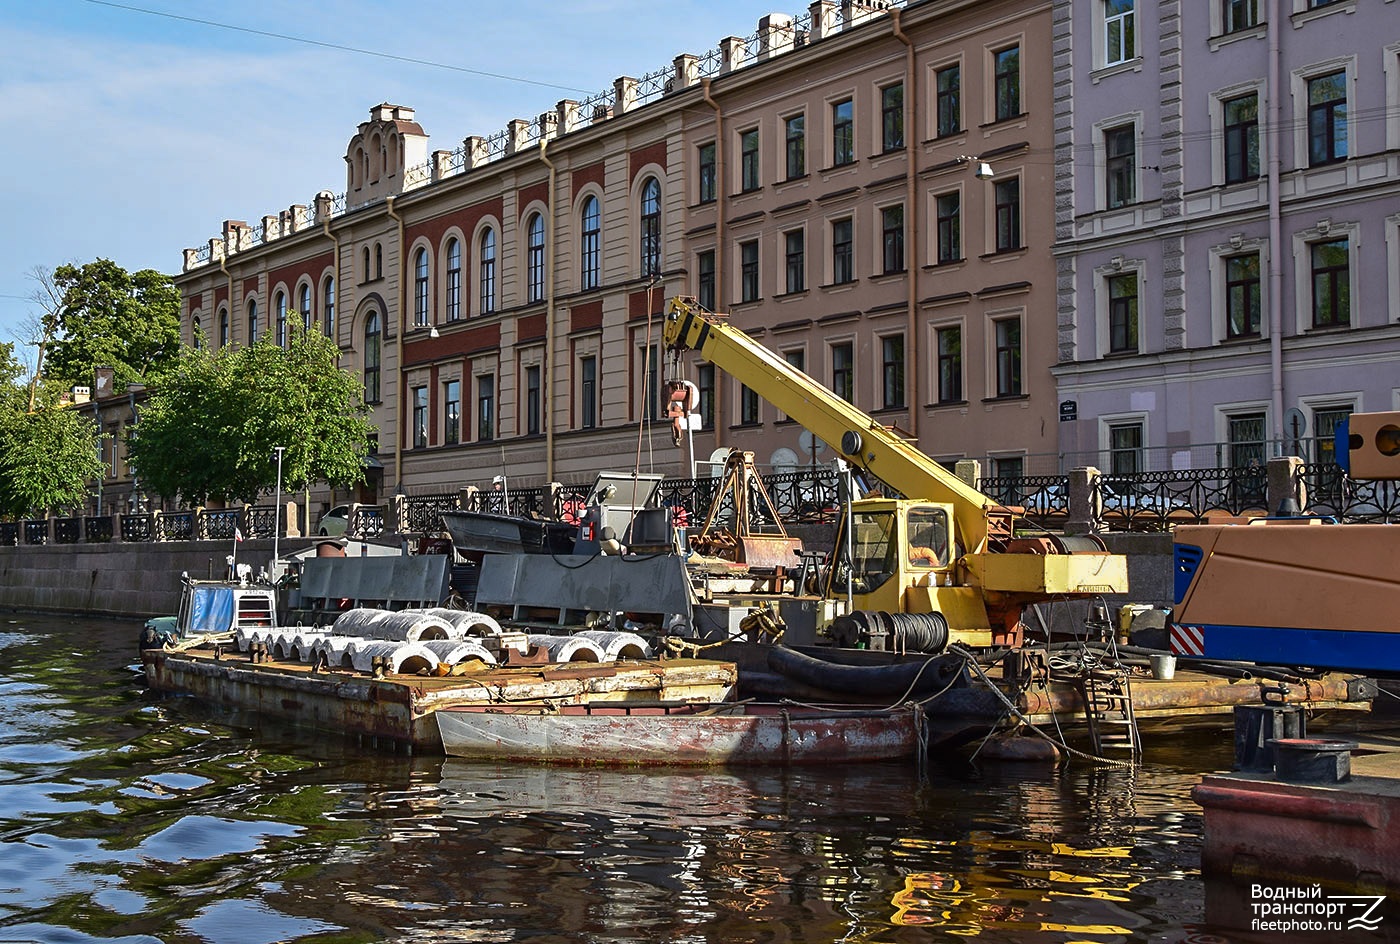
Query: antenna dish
[
  {"x": 784, "y": 460},
  {"x": 716, "y": 463}
]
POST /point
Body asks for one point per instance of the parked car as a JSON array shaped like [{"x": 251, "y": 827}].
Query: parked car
[{"x": 334, "y": 522}]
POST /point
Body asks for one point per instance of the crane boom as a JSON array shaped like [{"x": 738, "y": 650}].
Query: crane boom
[{"x": 863, "y": 441}]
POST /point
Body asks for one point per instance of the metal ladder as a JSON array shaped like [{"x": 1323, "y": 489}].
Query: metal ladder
[{"x": 1108, "y": 709}]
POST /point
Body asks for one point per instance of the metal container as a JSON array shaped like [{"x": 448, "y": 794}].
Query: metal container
[
  {"x": 1256, "y": 727},
  {"x": 1312, "y": 760}
]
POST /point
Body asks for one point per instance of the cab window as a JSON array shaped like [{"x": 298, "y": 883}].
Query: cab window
[{"x": 928, "y": 537}]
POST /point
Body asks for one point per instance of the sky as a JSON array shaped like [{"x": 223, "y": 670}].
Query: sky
[{"x": 134, "y": 129}]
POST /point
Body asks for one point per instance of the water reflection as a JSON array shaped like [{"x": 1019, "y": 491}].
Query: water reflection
[{"x": 133, "y": 818}]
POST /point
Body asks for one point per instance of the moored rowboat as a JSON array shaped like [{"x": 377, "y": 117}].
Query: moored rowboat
[{"x": 679, "y": 733}]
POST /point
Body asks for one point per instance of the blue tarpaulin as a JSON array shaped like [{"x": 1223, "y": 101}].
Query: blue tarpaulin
[{"x": 211, "y": 610}]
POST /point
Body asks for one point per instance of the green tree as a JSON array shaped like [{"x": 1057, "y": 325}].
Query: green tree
[
  {"x": 98, "y": 314},
  {"x": 209, "y": 426},
  {"x": 48, "y": 455}
]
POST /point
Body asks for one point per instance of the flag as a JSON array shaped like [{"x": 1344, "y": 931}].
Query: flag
[{"x": 237, "y": 534}]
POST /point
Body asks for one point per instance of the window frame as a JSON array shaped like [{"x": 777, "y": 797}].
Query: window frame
[
  {"x": 1124, "y": 318},
  {"x": 949, "y": 364},
  {"x": 1008, "y": 354},
  {"x": 533, "y": 399},
  {"x": 795, "y": 145},
  {"x": 843, "y": 265},
  {"x": 588, "y": 400},
  {"x": 419, "y": 428},
  {"x": 892, "y": 239},
  {"x": 1337, "y": 278},
  {"x": 1333, "y": 121},
  {"x": 485, "y": 408},
  {"x": 948, "y": 100},
  {"x": 487, "y": 252},
  {"x": 452, "y": 287},
  {"x": 843, "y": 132},
  {"x": 1241, "y": 144},
  {"x": 1006, "y": 83},
  {"x": 534, "y": 258},
  {"x": 328, "y": 306},
  {"x": 948, "y": 227},
  {"x": 649, "y": 228},
  {"x": 279, "y": 305},
  {"x": 590, "y": 241},
  {"x": 705, "y": 172},
  {"x": 1119, "y": 32},
  {"x": 1120, "y": 166},
  {"x": 705, "y": 279},
  {"x": 892, "y": 117},
  {"x": 750, "y": 165},
  {"x": 750, "y": 285},
  {"x": 420, "y": 286},
  {"x": 892, "y": 372},
  {"x": 452, "y": 411},
  {"x": 795, "y": 260},
  {"x": 1251, "y": 290},
  {"x": 843, "y": 369},
  {"x": 1007, "y": 214}
]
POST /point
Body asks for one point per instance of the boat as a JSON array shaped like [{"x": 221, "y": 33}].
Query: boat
[
  {"x": 480, "y": 532},
  {"x": 681, "y": 734}
]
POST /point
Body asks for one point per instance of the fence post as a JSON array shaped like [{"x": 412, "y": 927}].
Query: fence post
[
  {"x": 1286, "y": 485},
  {"x": 157, "y": 530},
  {"x": 399, "y": 513},
  {"x": 970, "y": 471},
  {"x": 1085, "y": 503},
  {"x": 292, "y": 516}
]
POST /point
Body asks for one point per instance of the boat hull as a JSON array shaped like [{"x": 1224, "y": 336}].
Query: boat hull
[{"x": 697, "y": 735}]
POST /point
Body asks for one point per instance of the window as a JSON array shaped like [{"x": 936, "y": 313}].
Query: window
[
  {"x": 588, "y": 251},
  {"x": 1241, "y": 138},
  {"x": 252, "y": 320},
  {"x": 305, "y": 308},
  {"x": 588, "y": 392},
  {"x": 1009, "y": 467},
  {"x": 705, "y": 167},
  {"x": 795, "y": 254},
  {"x": 1331, "y": 283},
  {"x": 748, "y": 161},
  {"x": 280, "y": 306},
  {"x": 420, "y": 287},
  {"x": 648, "y": 365},
  {"x": 843, "y": 371},
  {"x": 892, "y": 241},
  {"x": 452, "y": 412},
  {"x": 1325, "y": 422},
  {"x": 1246, "y": 438},
  {"x": 223, "y": 328},
  {"x": 1006, "y": 75},
  {"x": 950, "y": 388},
  {"x": 705, "y": 279},
  {"x": 1008, "y": 357},
  {"x": 1120, "y": 166},
  {"x": 892, "y": 371},
  {"x": 1007, "y": 195},
  {"x": 748, "y": 271},
  {"x": 651, "y": 227},
  {"x": 795, "y": 129},
  {"x": 364, "y": 258},
  {"x": 532, "y": 400},
  {"x": 892, "y": 117},
  {"x": 378, "y": 261},
  {"x": 948, "y": 210},
  {"x": 328, "y": 306},
  {"x": 1123, "y": 313},
  {"x": 748, "y": 406},
  {"x": 534, "y": 258},
  {"x": 705, "y": 384},
  {"x": 372, "y": 337},
  {"x": 1118, "y": 40},
  {"x": 1240, "y": 14},
  {"x": 1124, "y": 448},
  {"x": 842, "y": 257},
  {"x": 796, "y": 358},
  {"x": 485, "y": 408},
  {"x": 195, "y": 332},
  {"x": 420, "y": 417},
  {"x": 1242, "y": 306},
  {"x": 843, "y": 134},
  {"x": 1327, "y": 118},
  {"x": 454, "y": 280},
  {"x": 948, "y": 82},
  {"x": 488, "y": 271}
]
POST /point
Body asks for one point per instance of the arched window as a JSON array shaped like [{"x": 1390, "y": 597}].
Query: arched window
[
  {"x": 372, "y": 358},
  {"x": 488, "y": 271},
  {"x": 365, "y": 256},
  {"x": 194, "y": 329},
  {"x": 420, "y": 287},
  {"x": 305, "y": 307},
  {"x": 328, "y": 306},
  {"x": 588, "y": 251},
  {"x": 651, "y": 227},
  {"x": 280, "y": 306},
  {"x": 252, "y": 320},
  {"x": 534, "y": 258},
  {"x": 454, "y": 280},
  {"x": 378, "y": 261},
  {"x": 223, "y": 327}
]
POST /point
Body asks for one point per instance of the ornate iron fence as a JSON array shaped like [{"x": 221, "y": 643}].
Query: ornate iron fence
[
  {"x": 97, "y": 529},
  {"x": 174, "y": 526},
  {"x": 366, "y": 521},
  {"x": 36, "y": 532},
  {"x": 9, "y": 533},
  {"x": 1331, "y": 492},
  {"x": 67, "y": 530},
  {"x": 137, "y": 528},
  {"x": 420, "y": 512},
  {"x": 259, "y": 521},
  {"x": 218, "y": 524}
]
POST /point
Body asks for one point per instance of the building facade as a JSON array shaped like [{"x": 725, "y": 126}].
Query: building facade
[{"x": 1227, "y": 202}]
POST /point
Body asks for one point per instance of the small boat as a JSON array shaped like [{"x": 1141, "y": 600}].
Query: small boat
[{"x": 679, "y": 733}]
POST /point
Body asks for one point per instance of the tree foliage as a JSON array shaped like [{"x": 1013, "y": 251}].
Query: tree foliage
[
  {"x": 49, "y": 455},
  {"x": 210, "y": 425},
  {"x": 101, "y": 315}
]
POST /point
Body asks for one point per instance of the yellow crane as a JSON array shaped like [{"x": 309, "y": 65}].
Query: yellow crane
[{"x": 943, "y": 560}]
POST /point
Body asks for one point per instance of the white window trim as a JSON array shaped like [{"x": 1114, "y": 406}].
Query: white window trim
[
  {"x": 1101, "y": 21},
  {"x": 1238, "y": 245},
  {"x": 1390, "y": 65},
  {"x": 990, "y": 51},
  {"x": 1218, "y": 98},
  {"x": 1224, "y": 411},
  {"x": 1115, "y": 267},
  {"x": 1217, "y": 22},
  {"x": 1325, "y": 230},
  {"x": 959, "y": 322},
  {"x": 1302, "y": 14},
  {"x": 829, "y": 356},
  {"x": 1108, "y": 420},
  {"x": 930, "y": 246},
  {"x": 1101, "y": 160},
  {"x": 1392, "y": 261},
  {"x": 1299, "y": 88}
]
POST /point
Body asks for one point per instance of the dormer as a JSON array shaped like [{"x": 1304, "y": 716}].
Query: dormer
[{"x": 379, "y": 153}]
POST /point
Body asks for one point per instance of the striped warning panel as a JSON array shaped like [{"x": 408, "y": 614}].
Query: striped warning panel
[{"x": 1188, "y": 640}]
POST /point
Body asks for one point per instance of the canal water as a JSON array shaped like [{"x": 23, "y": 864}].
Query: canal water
[{"x": 126, "y": 816}]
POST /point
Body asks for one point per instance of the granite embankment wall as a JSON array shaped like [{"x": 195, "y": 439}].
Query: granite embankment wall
[
  {"x": 139, "y": 581},
  {"x": 135, "y": 581}
]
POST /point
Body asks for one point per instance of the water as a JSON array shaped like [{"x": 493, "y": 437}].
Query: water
[{"x": 129, "y": 817}]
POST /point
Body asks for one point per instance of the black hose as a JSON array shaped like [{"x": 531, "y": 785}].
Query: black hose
[{"x": 875, "y": 680}]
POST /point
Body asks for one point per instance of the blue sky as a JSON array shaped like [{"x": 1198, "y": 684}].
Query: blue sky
[{"x": 132, "y": 135}]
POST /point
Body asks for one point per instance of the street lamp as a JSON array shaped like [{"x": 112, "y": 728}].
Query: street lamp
[{"x": 277, "y": 509}]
